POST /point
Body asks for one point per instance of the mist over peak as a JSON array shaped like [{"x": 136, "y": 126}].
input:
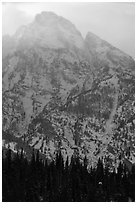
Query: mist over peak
[
  {"x": 51, "y": 30},
  {"x": 114, "y": 22},
  {"x": 68, "y": 95}
]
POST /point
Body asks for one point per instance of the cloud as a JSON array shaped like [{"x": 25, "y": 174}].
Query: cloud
[
  {"x": 13, "y": 18},
  {"x": 113, "y": 22}
]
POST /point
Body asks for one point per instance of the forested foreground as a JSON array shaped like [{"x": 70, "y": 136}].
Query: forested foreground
[{"x": 39, "y": 180}]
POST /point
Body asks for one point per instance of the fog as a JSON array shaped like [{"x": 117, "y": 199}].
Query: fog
[{"x": 113, "y": 22}]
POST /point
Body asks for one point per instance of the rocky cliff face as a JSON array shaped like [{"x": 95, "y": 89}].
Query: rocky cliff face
[
  {"x": 104, "y": 54},
  {"x": 63, "y": 92}
]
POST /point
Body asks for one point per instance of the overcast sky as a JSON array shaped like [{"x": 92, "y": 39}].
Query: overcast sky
[{"x": 113, "y": 22}]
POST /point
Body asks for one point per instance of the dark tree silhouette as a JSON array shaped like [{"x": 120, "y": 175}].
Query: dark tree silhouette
[{"x": 39, "y": 179}]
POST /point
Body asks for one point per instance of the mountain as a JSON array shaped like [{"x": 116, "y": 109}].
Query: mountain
[
  {"x": 61, "y": 91},
  {"x": 104, "y": 54}
]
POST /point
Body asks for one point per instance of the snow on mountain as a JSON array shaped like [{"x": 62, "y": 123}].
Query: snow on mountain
[{"x": 63, "y": 92}]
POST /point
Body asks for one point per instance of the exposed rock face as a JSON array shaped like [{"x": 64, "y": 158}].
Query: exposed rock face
[
  {"x": 51, "y": 31},
  {"x": 104, "y": 54},
  {"x": 61, "y": 91}
]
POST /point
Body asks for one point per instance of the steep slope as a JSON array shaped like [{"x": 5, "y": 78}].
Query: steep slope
[
  {"x": 104, "y": 54},
  {"x": 63, "y": 92},
  {"x": 50, "y": 30},
  {"x": 42, "y": 66}
]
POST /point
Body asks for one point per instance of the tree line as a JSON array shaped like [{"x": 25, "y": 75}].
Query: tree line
[{"x": 40, "y": 180}]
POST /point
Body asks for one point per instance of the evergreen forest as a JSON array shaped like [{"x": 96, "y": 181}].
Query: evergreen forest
[{"x": 38, "y": 180}]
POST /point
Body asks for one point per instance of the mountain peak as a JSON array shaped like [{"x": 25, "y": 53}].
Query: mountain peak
[
  {"x": 52, "y": 31},
  {"x": 45, "y": 14},
  {"x": 96, "y": 40},
  {"x": 104, "y": 53},
  {"x": 57, "y": 95},
  {"x": 53, "y": 20},
  {"x": 93, "y": 35},
  {"x": 45, "y": 17}
]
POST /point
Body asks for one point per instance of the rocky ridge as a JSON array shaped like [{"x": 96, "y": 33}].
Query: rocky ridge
[{"x": 61, "y": 91}]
